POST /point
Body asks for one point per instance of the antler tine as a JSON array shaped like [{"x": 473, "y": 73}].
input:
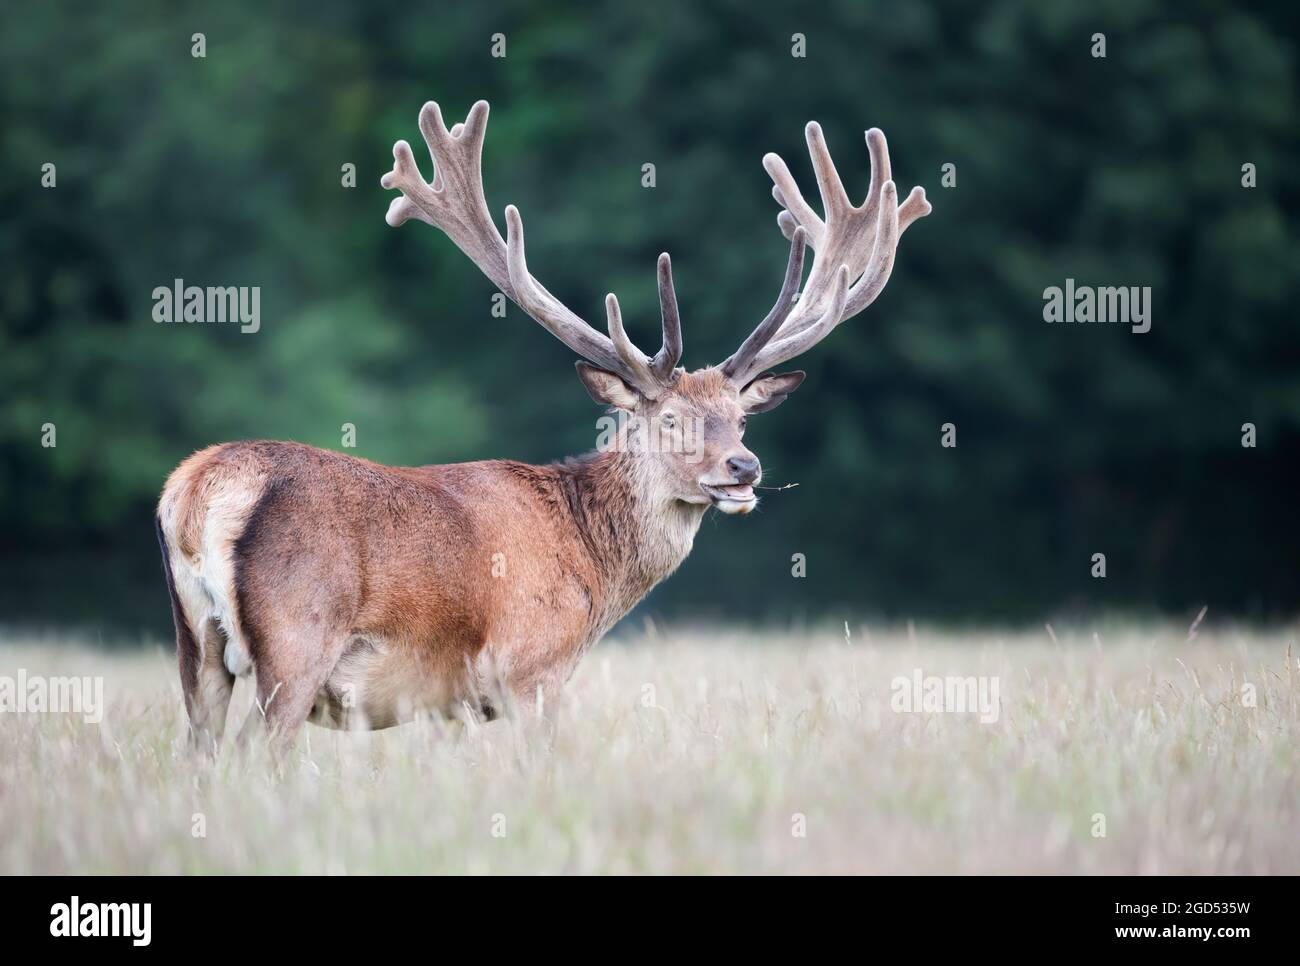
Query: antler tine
[
  {"x": 740, "y": 359},
  {"x": 881, "y": 168},
  {"x": 835, "y": 200},
  {"x": 454, "y": 202},
  {"x": 859, "y": 243},
  {"x": 915, "y": 206},
  {"x": 554, "y": 316},
  {"x": 786, "y": 192},
  {"x": 881, "y": 264},
  {"x": 635, "y": 364},
  {"x": 666, "y": 359},
  {"x": 789, "y": 346}
]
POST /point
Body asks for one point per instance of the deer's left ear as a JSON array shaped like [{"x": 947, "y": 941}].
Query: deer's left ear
[{"x": 769, "y": 390}]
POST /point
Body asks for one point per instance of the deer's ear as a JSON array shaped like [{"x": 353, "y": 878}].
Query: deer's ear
[
  {"x": 607, "y": 388},
  {"x": 769, "y": 390}
]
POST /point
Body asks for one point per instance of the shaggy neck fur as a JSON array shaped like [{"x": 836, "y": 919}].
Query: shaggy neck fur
[{"x": 632, "y": 525}]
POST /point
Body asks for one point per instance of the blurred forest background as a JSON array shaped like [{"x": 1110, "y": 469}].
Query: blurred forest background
[{"x": 1072, "y": 439}]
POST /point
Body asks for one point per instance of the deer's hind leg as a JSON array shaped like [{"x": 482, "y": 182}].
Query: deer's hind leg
[
  {"x": 290, "y": 677},
  {"x": 296, "y": 585},
  {"x": 206, "y": 682},
  {"x": 208, "y": 707}
]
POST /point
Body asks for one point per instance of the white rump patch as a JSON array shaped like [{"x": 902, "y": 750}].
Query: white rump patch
[{"x": 205, "y": 584}]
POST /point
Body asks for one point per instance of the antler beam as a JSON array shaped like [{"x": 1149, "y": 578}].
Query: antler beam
[{"x": 454, "y": 203}]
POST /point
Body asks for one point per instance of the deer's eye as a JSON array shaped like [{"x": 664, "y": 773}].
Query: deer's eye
[
  {"x": 743, "y": 421},
  {"x": 669, "y": 420}
]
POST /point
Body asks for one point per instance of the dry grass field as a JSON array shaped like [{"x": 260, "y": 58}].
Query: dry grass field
[{"x": 703, "y": 751}]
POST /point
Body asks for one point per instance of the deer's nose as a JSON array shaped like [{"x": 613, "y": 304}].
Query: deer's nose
[{"x": 744, "y": 468}]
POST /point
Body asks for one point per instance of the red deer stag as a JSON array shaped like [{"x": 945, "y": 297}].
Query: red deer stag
[{"x": 361, "y": 594}]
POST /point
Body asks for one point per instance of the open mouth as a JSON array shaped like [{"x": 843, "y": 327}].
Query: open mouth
[{"x": 733, "y": 498}]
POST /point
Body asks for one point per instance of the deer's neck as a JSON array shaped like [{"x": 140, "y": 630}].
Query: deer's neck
[{"x": 635, "y": 532}]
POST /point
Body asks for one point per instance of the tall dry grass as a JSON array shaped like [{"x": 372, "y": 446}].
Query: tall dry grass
[{"x": 704, "y": 752}]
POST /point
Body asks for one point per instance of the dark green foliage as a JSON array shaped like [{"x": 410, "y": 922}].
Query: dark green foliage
[{"x": 1072, "y": 439}]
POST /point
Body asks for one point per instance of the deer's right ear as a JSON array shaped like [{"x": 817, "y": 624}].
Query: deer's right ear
[
  {"x": 607, "y": 388},
  {"x": 768, "y": 391}
]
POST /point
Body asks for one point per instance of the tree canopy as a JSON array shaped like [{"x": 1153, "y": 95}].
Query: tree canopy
[{"x": 1044, "y": 162}]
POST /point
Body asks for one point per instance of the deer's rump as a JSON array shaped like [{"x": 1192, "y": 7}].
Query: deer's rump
[{"x": 325, "y": 572}]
